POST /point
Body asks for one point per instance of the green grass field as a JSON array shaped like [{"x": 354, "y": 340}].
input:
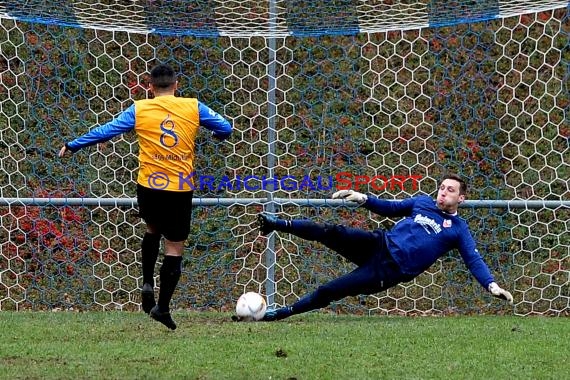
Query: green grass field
[{"x": 126, "y": 345}]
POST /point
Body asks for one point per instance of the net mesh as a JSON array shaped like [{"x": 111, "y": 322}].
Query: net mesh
[{"x": 375, "y": 88}]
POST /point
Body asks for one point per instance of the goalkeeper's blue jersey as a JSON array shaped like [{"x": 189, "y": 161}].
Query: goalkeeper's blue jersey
[{"x": 425, "y": 234}]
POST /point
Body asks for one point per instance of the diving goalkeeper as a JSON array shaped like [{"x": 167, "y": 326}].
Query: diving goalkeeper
[{"x": 384, "y": 258}]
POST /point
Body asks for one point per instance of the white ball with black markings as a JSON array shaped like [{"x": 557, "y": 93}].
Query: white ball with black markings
[{"x": 251, "y": 306}]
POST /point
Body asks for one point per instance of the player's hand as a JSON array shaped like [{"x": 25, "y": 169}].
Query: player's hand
[
  {"x": 62, "y": 151},
  {"x": 351, "y": 196},
  {"x": 218, "y": 137},
  {"x": 498, "y": 292}
]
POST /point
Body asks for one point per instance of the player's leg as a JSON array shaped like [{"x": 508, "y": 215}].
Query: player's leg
[
  {"x": 380, "y": 273},
  {"x": 150, "y": 246},
  {"x": 354, "y": 244},
  {"x": 360, "y": 281},
  {"x": 177, "y": 218},
  {"x": 149, "y": 255},
  {"x": 170, "y": 272}
]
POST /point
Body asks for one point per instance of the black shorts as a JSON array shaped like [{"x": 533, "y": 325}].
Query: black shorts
[{"x": 170, "y": 212}]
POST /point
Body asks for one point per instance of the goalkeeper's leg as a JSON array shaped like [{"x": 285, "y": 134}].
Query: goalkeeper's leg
[
  {"x": 379, "y": 274},
  {"x": 354, "y": 244}
]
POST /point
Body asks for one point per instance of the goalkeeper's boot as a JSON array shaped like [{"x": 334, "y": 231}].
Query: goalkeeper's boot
[
  {"x": 162, "y": 317},
  {"x": 277, "y": 314},
  {"x": 266, "y": 223},
  {"x": 147, "y": 297}
]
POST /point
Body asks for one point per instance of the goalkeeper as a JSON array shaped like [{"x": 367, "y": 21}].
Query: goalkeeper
[
  {"x": 167, "y": 127},
  {"x": 430, "y": 228}
]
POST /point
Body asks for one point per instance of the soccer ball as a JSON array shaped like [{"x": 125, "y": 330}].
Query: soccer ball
[{"x": 251, "y": 306}]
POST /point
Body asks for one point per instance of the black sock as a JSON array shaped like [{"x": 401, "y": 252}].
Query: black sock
[
  {"x": 149, "y": 252},
  {"x": 307, "y": 303},
  {"x": 169, "y": 275}
]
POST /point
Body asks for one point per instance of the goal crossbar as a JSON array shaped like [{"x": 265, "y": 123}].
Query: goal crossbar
[{"x": 116, "y": 202}]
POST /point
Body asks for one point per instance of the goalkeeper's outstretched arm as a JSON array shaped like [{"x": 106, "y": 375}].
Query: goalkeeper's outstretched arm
[
  {"x": 377, "y": 205},
  {"x": 479, "y": 268}
]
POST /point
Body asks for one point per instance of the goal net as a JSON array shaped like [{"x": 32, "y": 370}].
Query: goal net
[{"x": 318, "y": 93}]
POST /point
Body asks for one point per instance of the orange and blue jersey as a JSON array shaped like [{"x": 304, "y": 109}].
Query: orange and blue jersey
[{"x": 167, "y": 127}]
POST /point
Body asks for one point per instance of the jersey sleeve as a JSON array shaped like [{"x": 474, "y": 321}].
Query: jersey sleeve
[
  {"x": 121, "y": 124},
  {"x": 389, "y": 208},
  {"x": 473, "y": 259},
  {"x": 213, "y": 121}
]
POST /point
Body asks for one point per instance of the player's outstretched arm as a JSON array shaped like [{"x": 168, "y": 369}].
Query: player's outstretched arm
[
  {"x": 121, "y": 124},
  {"x": 376, "y": 205},
  {"x": 499, "y": 292},
  {"x": 351, "y": 196},
  {"x": 477, "y": 265}
]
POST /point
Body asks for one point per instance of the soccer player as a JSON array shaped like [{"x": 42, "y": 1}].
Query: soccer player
[
  {"x": 166, "y": 127},
  {"x": 429, "y": 229}
]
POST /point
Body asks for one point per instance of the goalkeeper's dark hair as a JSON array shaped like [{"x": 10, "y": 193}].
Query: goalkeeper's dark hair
[
  {"x": 162, "y": 76},
  {"x": 456, "y": 177}
]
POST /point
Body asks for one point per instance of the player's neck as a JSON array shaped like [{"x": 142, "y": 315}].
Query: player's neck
[{"x": 164, "y": 93}]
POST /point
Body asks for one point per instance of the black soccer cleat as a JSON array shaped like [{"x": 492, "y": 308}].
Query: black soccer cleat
[
  {"x": 162, "y": 317},
  {"x": 277, "y": 314},
  {"x": 147, "y": 298},
  {"x": 266, "y": 223}
]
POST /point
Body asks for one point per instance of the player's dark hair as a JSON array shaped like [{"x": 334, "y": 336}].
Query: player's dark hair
[
  {"x": 162, "y": 77},
  {"x": 456, "y": 177}
]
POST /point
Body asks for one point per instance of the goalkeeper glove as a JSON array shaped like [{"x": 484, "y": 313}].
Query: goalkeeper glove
[
  {"x": 351, "y": 196},
  {"x": 498, "y": 292}
]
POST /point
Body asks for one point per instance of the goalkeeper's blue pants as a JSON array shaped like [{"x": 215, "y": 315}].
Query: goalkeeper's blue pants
[{"x": 376, "y": 269}]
